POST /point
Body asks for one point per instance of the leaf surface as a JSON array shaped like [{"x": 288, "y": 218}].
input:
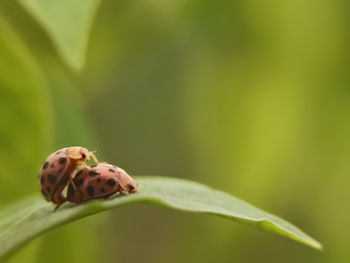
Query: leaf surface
[{"x": 33, "y": 216}]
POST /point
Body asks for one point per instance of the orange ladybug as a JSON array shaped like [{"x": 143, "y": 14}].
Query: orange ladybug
[
  {"x": 59, "y": 169},
  {"x": 100, "y": 181}
]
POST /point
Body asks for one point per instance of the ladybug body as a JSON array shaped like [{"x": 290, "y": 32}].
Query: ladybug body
[
  {"x": 100, "y": 181},
  {"x": 60, "y": 167}
]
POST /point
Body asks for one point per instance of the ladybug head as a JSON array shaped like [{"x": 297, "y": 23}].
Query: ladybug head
[
  {"x": 79, "y": 153},
  {"x": 133, "y": 187},
  {"x": 126, "y": 182}
]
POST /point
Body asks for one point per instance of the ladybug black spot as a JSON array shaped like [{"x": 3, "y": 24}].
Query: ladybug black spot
[
  {"x": 111, "y": 170},
  {"x": 94, "y": 165},
  {"x": 111, "y": 182},
  {"x": 51, "y": 178},
  {"x": 52, "y": 166},
  {"x": 83, "y": 155},
  {"x": 103, "y": 190},
  {"x": 79, "y": 182},
  {"x": 43, "y": 192},
  {"x": 48, "y": 189},
  {"x": 46, "y": 164},
  {"x": 62, "y": 160},
  {"x": 42, "y": 179},
  {"x": 131, "y": 187},
  {"x": 93, "y": 173},
  {"x": 90, "y": 190}
]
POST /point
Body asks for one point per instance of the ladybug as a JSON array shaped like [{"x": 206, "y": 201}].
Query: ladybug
[
  {"x": 59, "y": 168},
  {"x": 100, "y": 181}
]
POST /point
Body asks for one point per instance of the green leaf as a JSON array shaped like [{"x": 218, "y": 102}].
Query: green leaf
[
  {"x": 33, "y": 216},
  {"x": 68, "y": 24},
  {"x": 26, "y": 117}
]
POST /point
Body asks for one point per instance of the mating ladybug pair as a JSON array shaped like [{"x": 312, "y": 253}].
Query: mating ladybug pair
[{"x": 68, "y": 167}]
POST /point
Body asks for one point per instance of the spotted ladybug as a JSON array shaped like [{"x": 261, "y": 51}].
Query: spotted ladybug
[
  {"x": 60, "y": 168},
  {"x": 100, "y": 181}
]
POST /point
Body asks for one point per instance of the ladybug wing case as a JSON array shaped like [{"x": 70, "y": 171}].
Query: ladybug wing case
[
  {"x": 94, "y": 184},
  {"x": 54, "y": 174}
]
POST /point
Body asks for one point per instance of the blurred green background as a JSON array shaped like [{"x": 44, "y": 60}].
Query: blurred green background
[{"x": 250, "y": 97}]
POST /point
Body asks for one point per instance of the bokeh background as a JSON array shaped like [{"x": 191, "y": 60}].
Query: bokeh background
[{"x": 250, "y": 97}]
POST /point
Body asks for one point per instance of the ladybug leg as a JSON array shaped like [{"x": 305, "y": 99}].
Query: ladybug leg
[
  {"x": 71, "y": 177},
  {"x": 92, "y": 154},
  {"x": 81, "y": 167},
  {"x": 94, "y": 157},
  {"x": 121, "y": 192},
  {"x": 73, "y": 184},
  {"x": 59, "y": 200},
  {"x": 57, "y": 206}
]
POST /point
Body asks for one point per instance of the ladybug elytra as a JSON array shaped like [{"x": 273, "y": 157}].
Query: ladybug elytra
[{"x": 100, "y": 181}]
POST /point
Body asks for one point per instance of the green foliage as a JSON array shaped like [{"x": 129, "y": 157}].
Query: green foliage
[
  {"x": 70, "y": 37},
  {"x": 53, "y": 118},
  {"x": 26, "y": 117},
  {"x": 33, "y": 216},
  {"x": 254, "y": 93}
]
